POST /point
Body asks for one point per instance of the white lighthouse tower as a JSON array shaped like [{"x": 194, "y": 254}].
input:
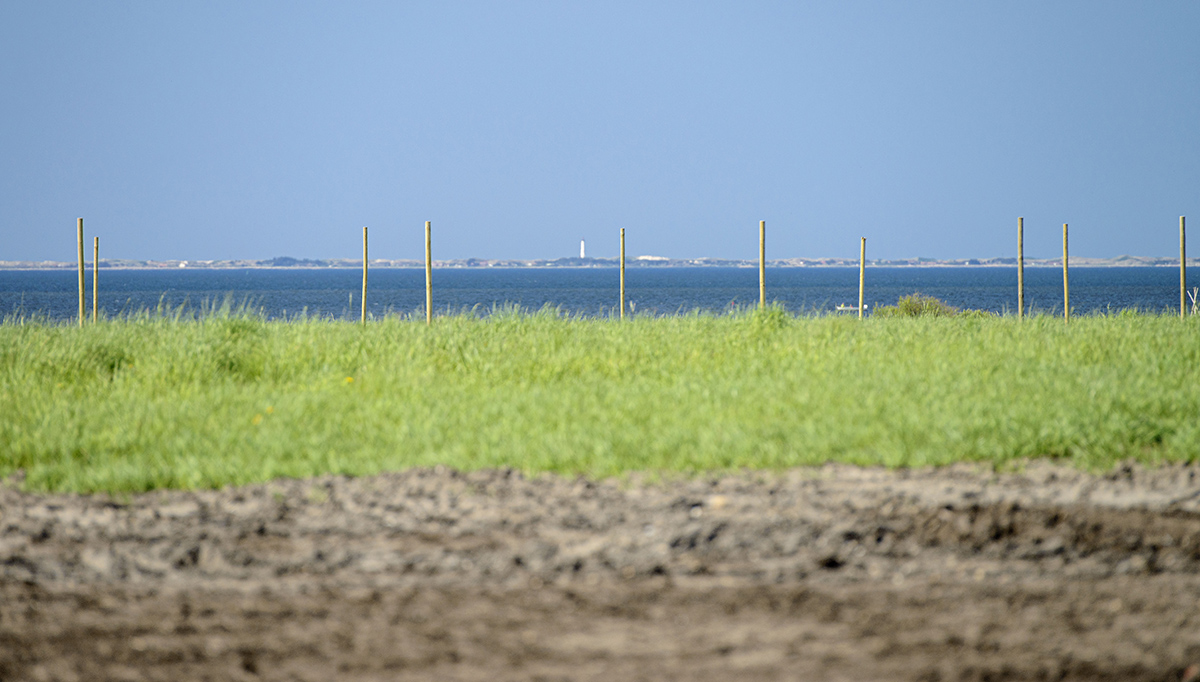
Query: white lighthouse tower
[{"x": 581, "y": 251}]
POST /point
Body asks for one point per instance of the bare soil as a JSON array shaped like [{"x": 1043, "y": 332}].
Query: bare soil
[{"x": 833, "y": 573}]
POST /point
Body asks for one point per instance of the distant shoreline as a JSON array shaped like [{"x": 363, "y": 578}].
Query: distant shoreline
[{"x": 287, "y": 263}]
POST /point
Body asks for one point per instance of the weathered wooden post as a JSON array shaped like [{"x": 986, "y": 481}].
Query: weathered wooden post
[
  {"x": 1182, "y": 271},
  {"x": 762, "y": 263},
  {"x": 95, "y": 279},
  {"x": 1066, "y": 280},
  {"x": 1020, "y": 268},
  {"x": 622, "y": 273},
  {"x": 81, "y": 276},
  {"x": 364, "y": 289},
  {"x": 428, "y": 276},
  {"x": 862, "y": 273}
]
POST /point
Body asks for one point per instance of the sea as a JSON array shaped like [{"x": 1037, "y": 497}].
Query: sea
[{"x": 590, "y": 292}]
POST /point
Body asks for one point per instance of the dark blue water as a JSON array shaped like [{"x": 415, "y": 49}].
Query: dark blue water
[{"x": 582, "y": 291}]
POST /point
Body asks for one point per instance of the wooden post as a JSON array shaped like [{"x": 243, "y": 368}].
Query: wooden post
[
  {"x": 428, "y": 276},
  {"x": 622, "y": 273},
  {"x": 95, "y": 278},
  {"x": 762, "y": 263},
  {"x": 81, "y": 277},
  {"x": 862, "y": 273},
  {"x": 1066, "y": 280},
  {"x": 1020, "y": 268},
  {"x": 1182, "y": 271},
  {"x": 364, "y": 291}
]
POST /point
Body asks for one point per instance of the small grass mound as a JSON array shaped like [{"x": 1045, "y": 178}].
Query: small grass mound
[{"x": 920, "y": 305}]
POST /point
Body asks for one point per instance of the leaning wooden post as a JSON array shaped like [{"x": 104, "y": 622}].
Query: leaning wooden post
[
  {"x": 762, "y": 263},
  {"x": 1182, "y": 271},
  {"x": 622, "y": 273},
  {"x": 862, "y": 272},
  {"x": 428, "y": 276},
  {"x": 81, "y": 276},
  {"x": 95, "y": 278},
  {"x": 1066, "y": 280},
  {"x": 364, "y": 291},
  {"x": 1020, "y": 268}
]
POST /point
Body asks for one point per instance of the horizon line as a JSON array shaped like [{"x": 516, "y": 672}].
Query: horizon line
[{"x": 645, "y": 260}]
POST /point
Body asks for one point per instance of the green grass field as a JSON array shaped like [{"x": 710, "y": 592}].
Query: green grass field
[{"x": 157, "y": 401}]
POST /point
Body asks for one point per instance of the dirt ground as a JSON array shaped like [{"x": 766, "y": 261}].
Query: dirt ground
[{"x": 836, "y": 573}]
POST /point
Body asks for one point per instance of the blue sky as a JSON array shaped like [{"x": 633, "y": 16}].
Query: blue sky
[{"x": 256, "y": 129}]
